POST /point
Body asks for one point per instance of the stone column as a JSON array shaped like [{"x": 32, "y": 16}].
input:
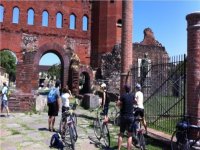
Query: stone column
[
  {"x": 193, "y": 68},
  {"x": 126, "y": 52}
]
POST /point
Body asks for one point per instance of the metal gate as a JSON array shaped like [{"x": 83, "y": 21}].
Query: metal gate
[{"x": 163, "y": 86}]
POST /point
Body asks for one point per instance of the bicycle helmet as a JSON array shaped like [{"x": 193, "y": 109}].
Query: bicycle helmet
[{"x": 138, "y": 86}]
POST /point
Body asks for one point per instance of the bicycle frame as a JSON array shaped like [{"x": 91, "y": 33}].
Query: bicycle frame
[
  {"x": 68, "y": 127},
  {"x": 180, "y": 140}
]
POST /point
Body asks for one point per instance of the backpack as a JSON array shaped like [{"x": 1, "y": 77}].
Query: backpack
[
  {"x": 7, "y": 93},
  {"x": 56, "y": 141},
  {"x": 52, "y": 96}
]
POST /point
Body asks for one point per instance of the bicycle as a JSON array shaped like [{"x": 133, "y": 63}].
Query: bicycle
[
  {"x": 180, "y": 140},
  {"x": 138, "y": 133},
  {"x": 112, "y": 112},
  {"x": 67, "y": 127},
  {"x": 101, "y": 130}
]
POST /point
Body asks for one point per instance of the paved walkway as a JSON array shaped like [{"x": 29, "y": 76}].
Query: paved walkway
[{"x": 25, "y": 131}]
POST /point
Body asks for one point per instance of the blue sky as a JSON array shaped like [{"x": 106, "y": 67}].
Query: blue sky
[{"x": 167, "y": 19}]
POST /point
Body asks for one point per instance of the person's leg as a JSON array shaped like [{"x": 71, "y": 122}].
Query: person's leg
[
  {"x": 122, "y": 130},
  {"x": 129, "y": 142},
  {"x": 53, "y": 122},
  {"x": 6, "y": 107},
  {"x": 50, "y": 123},
  {"x": 144, "y": 124},
  {"x": 2, "y": 107},
  {"x": 120, "y": 140},
  {"x": 7, "y": 110}
]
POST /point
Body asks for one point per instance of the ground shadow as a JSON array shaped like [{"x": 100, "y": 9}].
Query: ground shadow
[
  {"x": 85, "y": 116},
  {"x": 43, "y": 129},
  {"x": 3, "y": 115},
  {"x": 98, "y": 144}
]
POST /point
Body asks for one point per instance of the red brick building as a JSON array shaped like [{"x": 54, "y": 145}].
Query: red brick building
[{"x": 86, "y": 28}]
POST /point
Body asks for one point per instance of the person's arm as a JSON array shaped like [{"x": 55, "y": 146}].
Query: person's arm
[
  {"x": 119, "y": 102},
  {"x": 103, "y": 99}
]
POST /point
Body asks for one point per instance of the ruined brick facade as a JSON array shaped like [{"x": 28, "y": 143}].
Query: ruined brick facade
[{"x": 31, "y": 42}]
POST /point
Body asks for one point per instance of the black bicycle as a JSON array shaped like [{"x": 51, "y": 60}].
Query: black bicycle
[
  {"x": 180, "y": 139},
  {"x": 67, "y": 127},
  {"x": 138, "y": 133},
  {"x": 101, "y": 130}
]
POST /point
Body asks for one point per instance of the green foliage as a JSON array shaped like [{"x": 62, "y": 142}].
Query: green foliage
[
  {"x": 54, "y": 71},
  {"x": 8, "y": 61}
]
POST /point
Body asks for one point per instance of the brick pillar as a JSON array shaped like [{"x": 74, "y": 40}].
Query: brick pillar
[
  {"x": 193, "y": 68},
  {"x": 126, "y": 53}
]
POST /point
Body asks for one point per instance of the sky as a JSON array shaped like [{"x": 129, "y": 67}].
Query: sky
[{"x": 167, "y": 19}]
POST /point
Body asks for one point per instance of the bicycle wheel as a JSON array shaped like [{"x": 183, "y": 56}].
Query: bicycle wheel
[
  {"x": 75, "y": 132},
  {"x": 106, "y": 135},
  {"x": 141, "y": 140},
  {"x": 72, "y": 140},
  {"x": 112, "y": 113},
  {"x": 74, "y": 118},
  {"x": 97, "y": 128}
]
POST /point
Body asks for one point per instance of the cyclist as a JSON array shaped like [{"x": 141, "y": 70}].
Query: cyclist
[
  {"x": 105, "y": 102},
  {"x": 126, "y": 112},
  {"x": 4, "y": 103},
  {"x": 139, "y": 99},
  {"x": 65, "y": 99}
]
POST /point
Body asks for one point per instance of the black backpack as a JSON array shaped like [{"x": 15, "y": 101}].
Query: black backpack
[{"x": 56, "y": 141}]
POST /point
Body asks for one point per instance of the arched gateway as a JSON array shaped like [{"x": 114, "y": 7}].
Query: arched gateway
[{"x": 29, "y": 69}]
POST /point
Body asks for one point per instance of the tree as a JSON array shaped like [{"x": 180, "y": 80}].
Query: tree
[
  {"x": 8, "y": 61},
  {"x": 54, "y": 71}
]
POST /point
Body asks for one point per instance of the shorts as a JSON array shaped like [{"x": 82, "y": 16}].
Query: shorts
[
  {"x": 64, "y": 109},
  {"x": 126, "y": 123},
  {"x": 105, "y": 110},
  {"x": 53, "y": 109},
  {"x": 139, "y": 112},
  {"x": 4, "y": 103}
]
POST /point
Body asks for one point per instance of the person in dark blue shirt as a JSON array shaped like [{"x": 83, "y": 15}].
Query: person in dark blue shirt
[{"x": 126, "y": 112}]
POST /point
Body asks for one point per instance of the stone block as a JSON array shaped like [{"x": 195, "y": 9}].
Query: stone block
[
  {"x": 41, "y": 102},
  {"x": 90, "y": 101}
]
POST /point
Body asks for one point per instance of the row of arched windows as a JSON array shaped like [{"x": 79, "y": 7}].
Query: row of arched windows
[{"x": 45, "y": 18}]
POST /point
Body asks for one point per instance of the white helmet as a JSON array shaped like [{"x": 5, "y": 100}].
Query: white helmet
[{"x": 103, "y": 85}]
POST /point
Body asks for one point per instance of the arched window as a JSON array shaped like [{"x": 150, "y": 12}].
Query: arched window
[
  {"x": 45, "y": 18},
  {"x": 15, "y": 18},
  {"x": 72, "y": 24},
  {"x": 85, "y": 23},
  {"x": 59, "y": 20},
  {"x": 30, "y": 17},
  {"x": 1, "y": 13}
]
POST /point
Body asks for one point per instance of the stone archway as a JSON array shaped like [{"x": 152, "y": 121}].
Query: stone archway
[
  {"x": 86, "y": 72},
  {"x": 28, "y": 70},
  {"x": 63, "y": 56}
]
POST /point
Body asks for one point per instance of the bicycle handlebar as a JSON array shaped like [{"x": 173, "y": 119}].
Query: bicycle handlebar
[{"x": 193, "y": 126}]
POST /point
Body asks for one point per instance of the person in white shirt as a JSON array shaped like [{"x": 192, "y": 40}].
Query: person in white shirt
[
  {"x": 65, "y": 99},
  {"x": 4, "y": 103},
  {"x": 139, "y": 99}
]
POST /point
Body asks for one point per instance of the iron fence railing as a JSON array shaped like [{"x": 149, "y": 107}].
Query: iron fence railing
[{"x": 164, "y": 92}]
